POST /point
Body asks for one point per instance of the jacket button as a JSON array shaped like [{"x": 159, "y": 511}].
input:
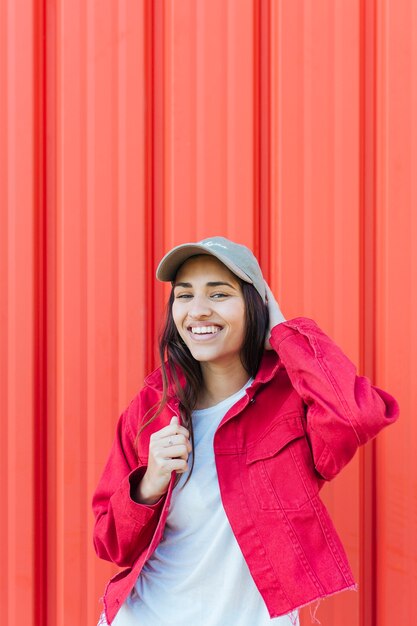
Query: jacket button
[{"x": 252, "y": 400}]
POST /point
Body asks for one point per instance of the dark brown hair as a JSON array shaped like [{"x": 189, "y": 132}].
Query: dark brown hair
[{"x": 174, "y": 355}]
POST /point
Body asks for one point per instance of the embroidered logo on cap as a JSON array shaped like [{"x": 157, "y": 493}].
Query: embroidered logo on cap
[{"x": 213, "y": 243}]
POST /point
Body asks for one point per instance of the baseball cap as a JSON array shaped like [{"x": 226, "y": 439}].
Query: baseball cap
[{"x": 238, "y": 258}]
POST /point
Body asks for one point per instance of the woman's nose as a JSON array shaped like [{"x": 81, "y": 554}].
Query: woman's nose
[{"x": 199, "y": 307}]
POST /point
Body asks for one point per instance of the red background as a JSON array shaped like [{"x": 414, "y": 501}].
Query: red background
[{"x": 129, "y": 126}]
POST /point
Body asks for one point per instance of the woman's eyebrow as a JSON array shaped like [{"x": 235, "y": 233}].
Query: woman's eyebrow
[
  {"x": 209, "y": 284},
  {"x": 219, "y": 284}
]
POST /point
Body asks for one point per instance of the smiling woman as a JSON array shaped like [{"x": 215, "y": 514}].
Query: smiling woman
[
  {"x": 211, "y": 322},
  {"x": 210, "y": 495}
]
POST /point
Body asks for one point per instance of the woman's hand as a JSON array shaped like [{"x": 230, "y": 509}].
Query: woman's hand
[
  {"x": 275, "y": 315},
  {"x": 168, "y": 451}
]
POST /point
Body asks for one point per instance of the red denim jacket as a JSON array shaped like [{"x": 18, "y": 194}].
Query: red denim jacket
[{"x": 297, "y": 426}]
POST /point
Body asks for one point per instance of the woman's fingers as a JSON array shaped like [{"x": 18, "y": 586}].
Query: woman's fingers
[
  {"x": 177, "y": 465},
  {"x": 169, "y": 449},
  {"x": 171, "y": 429},
  {"x": 175, "y": 440},
  {"x": 165, "y": 459},
  {"x": 275, "y": 315},
  {"x": 169, "y": 441},
  {"x": 172, "y": 452},
  {"x": 167, "y": 444}
]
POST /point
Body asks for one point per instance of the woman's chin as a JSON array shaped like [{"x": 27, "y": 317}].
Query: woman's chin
[{"x": 213, "y": 356}]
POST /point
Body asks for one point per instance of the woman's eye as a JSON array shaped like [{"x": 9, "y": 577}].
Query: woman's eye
[{"x": 186, "y": 296}]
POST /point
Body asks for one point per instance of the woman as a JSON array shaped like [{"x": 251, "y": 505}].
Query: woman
[{"x": 210, "y": 495}]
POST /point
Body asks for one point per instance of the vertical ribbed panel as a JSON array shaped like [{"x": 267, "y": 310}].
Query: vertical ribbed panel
[
  {"x": 18, "y": 69},
  {"x": 129, "y": 127},
  {"x": 315, "y": 206},
  {"x": 101, "y": 307},
  {"x": 396, "y": 306},
  {"x": 208, "y": 116}
]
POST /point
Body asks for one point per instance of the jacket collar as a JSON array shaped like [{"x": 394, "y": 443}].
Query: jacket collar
[{"x": 270, "y": 363}]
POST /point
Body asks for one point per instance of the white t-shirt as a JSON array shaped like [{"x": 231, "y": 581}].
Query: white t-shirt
[{"x": 197, "y": 574}]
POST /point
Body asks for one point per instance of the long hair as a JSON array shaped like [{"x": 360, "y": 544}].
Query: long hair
[{"x": 175, "y": 354}]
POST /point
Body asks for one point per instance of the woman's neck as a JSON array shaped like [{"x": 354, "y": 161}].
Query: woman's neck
[{"x": 220, "y": 383}]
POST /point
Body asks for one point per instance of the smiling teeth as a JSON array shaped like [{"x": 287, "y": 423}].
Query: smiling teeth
[{"x": 201, "y": 330}]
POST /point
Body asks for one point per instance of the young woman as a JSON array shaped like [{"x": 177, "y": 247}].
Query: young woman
[{"x": 210, "y": 495}]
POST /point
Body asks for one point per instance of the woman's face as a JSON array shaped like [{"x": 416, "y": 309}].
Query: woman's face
[{"x": 209, "y": 310}]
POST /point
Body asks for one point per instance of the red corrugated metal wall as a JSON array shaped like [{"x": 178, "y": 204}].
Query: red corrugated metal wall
[{"x": 130, "y": 126}]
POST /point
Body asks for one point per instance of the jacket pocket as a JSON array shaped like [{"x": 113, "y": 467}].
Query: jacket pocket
[{"x": 281, "y": 467}]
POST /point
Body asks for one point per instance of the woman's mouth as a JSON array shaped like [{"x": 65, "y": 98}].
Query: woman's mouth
[{"x": 204, "y": 333}]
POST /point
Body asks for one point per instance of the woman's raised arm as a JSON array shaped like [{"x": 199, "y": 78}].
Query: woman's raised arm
[{"x": 343, "y": 410}]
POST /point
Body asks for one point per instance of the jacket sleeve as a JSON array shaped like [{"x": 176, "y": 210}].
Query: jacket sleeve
[
  {"x": 343, "y": 410},
  {"x": 123, "y": 528}
]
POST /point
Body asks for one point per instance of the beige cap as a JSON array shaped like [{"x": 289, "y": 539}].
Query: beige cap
[{"x": 238, "y": 258}]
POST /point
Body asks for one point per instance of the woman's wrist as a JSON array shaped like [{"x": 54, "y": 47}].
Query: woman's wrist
[{"x": 145, "y": 494}]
